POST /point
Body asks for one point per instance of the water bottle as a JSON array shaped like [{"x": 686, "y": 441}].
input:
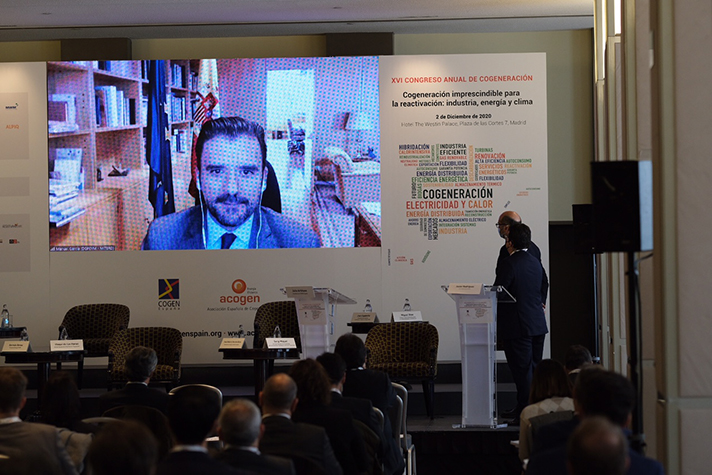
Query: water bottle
[
  {"x": 240, "y": 332},
  {"x": 368, "y": 308},
  {"x": 24, "y": 336},
  {"x": 63, "y": 335},
  {"x": 406, "y": 305},
  {"x": 277, "y": 332},
  {"x": 4, "y": 317}
]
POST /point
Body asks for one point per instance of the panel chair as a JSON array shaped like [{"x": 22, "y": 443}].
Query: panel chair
[
  {"x": 96, "y": 324},
  {"x": 166, "y": 341},
  {"x": 271, "y": 314},
  {"x": 407, "y": 351},
  {"x": 405, "y": 440}
]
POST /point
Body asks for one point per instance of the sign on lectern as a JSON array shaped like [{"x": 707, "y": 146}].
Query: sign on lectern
[
  {"x": 316, "y": 312},
  {"x": 477, "y": 319}
]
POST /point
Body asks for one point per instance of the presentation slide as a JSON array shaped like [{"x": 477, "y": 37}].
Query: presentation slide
[{"x": 213, "y": 154}]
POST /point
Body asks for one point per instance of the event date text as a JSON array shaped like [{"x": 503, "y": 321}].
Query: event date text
[{"x": 462, "y": 116}]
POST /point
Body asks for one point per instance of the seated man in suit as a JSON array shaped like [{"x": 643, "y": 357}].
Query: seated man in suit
[
  {"x": 192, "y": 415},
  {"x": 139, "y": 366},
  {"x": 232, "y": 177},
  {"x": 372, "y": 385},
  {"x": 598, "y": 392},
  {"x": 598, "y": 447},
  {"x": 123, "y": 447},
  {"x": 27, "y": 448},
  {"x": 308, "y": 446},
  {"x": 239, "y": 427}
]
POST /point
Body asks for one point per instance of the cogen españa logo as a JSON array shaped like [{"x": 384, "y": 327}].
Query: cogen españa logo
[
  {"x": 168, "y": 294},
  {"x": 243, "y": 295}
]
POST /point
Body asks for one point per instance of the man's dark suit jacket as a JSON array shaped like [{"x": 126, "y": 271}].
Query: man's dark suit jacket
[
  {"x": 184, "y": 230},
  {"x": 376, "y": 387},
  {"x": 347, "y": 443},
  {"x": 195, "y": 463},
  {"x": 296, "y": 441},
  {"x": 522, "y": 275},
  {"x": 33, "y": 449},
  {"x": 553, "y": 462},
  {"x": 263, "y": 464},
  {"x": 504, "y": 253},
  {"x": 134, "y": 394},
  {"x": 361, "y": 409}
]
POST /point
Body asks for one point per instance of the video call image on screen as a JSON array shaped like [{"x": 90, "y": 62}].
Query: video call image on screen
[{"x": 214, "y": 154}]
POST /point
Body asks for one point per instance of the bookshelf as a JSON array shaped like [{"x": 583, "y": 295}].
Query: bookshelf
[{"x": 98, "y": 115}]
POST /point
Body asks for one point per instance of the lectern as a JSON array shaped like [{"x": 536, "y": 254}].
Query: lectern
[
  {"x": 477, "y": 318},
  {"x": 316, "y": 311}
]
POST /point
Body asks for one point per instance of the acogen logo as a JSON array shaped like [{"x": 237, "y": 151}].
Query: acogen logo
[{"x": 239, "y": 286}]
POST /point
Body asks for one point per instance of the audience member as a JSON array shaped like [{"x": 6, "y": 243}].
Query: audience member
[
  {"x": 577, "y": 357},
  {"x": 597, "y": 447},
  {"x": 123, "y": 447},
  {"x": 369, "y": 384},
  {"x": 239, "y": 427},
  {"x": 139, "y": 367},
  {"x": 598, "y": 392},
  {"x": 314, "y": 394},
  {"x": 387, "y": 450},
  {"x": 61, "y": 408},
  {"x": 308, "y": 446},
  {"x": 29, "y": 448},
  {"x": 550, "y": 392},
  {"x": 192, "y": 415}
]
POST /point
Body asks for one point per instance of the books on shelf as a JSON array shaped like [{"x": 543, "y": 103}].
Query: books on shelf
[
  {"x": 176, "y": 111},
  {"x": 62, "y": 113},
  {"x": 177, "y": 75},
  {"x": 113, "y": 108}
]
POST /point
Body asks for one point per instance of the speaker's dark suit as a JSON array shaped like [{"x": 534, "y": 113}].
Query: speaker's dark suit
[
  {"x": 347, "y": 443},
  {"x": 134, "y": 394},
  {"x": 533, "y": 250},
  {"x": 195, "y": 463},
  {"x": 263, "y": 464},
  {"x": 307, "y": 445},
  {"x": 522, "y": 325}
]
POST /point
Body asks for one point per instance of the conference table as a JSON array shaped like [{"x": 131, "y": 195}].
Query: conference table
[
  {"x": 44, "y": 360},
  {"x": 261, "y": 358}
]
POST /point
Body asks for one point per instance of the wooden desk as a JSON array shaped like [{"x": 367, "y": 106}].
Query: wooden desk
[
  {"x": 368, "y": 226},
  {"x": 261, "y": 358},
  {"x": 44, "y": 360}
]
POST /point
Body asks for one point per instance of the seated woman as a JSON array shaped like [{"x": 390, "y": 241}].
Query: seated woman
[
  {"x": 550, "y": 392},
  {"x": 314, "y": 395}
]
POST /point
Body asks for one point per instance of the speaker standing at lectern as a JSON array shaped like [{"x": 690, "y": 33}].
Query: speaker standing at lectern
[{"x": 522, "y": 325}]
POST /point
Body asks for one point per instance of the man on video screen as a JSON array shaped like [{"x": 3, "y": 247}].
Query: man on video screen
[{"x": 232, "y": 176}]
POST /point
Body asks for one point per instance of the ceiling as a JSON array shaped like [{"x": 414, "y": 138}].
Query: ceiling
[{"x": 25, "y": 20}]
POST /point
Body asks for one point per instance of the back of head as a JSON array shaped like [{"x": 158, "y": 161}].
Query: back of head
[
  {"x": 192, "y": 412},
  {"x": 12, "y": 389},
  {"x": 334, "y": 365},
  {"x": 599, "y": 392},
  {"x": 279, "y": 393},
  {"x": 520, "y": 235},
  {"x": 313, "y": 384},
  {"x": 60, "y": 400},
  {"x": 123, "y": 447},
  {"x": 597, "y": 447},
  {"x": 577, "y": 356},
  {"x": 140, "y": 363},
  {"x": 352, "y": 349},
  {"x": 239, "y": 423},
  {"x": 549, "y": 380}
]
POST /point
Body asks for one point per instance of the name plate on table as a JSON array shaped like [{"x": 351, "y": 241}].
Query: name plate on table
[
  {"x": 300, "y": 292},
  {"x": 66, "y": 345},
  {"x": 16, "y": 346},
  {"x": 364, "y": 317},
  {"x": 280, "y": 343},
  {"x": 408, "y": 316},
  {"x": 465, "y": 289},
  {"x": 232, "y": 343}
]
